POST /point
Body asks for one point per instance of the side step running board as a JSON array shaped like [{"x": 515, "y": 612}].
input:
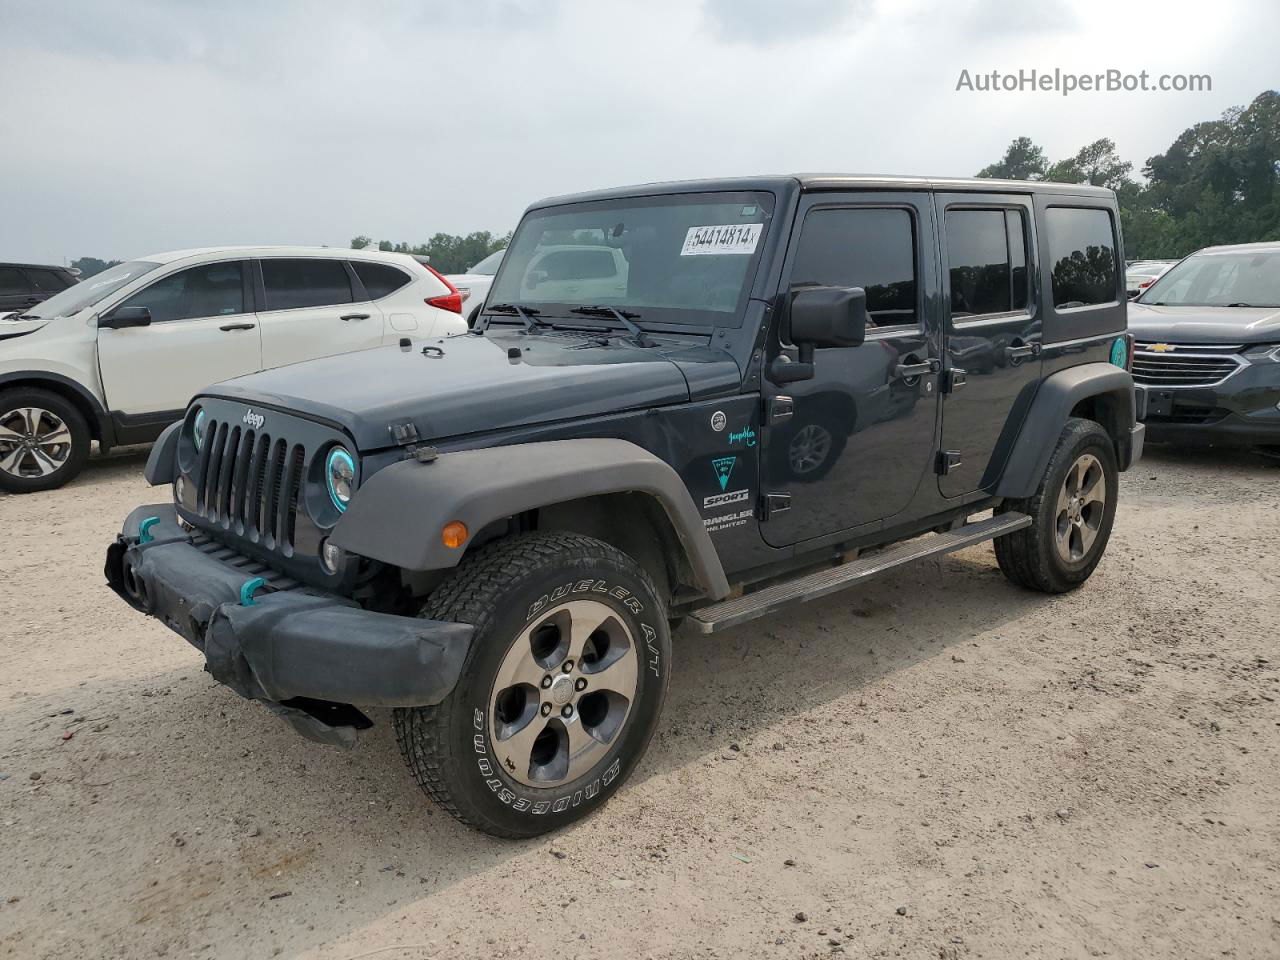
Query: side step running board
[{"x": 730, "y": 613}]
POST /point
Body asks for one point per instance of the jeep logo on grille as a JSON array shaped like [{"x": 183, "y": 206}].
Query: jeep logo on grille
[{"x": 255, "y": 420}]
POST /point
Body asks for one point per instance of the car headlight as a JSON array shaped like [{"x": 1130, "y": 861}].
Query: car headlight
[
  {"x": 1263, "y": 353},
  {"x": 340, "y": 476},
  {"x": 197, "y": 429}
]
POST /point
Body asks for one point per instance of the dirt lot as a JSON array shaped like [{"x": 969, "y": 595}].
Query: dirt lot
[{"x": 939, "y": 765}]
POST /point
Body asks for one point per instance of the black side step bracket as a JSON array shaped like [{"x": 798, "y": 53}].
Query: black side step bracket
[{"x": 730, "y": 613}]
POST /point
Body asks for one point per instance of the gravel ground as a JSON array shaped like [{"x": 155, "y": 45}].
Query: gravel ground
[{"x": 935, "y": 765}]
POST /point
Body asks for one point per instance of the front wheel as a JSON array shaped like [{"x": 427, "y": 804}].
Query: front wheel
[
  {"x": 1072, "y": 514},
  {"x": 44, "y": 440},
  {"x": 561, "y": 691}
]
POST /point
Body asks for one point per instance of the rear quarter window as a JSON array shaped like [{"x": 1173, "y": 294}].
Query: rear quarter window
[
  {"x": 379, "y": 279},
  {"x": 1082, "y": 256}
]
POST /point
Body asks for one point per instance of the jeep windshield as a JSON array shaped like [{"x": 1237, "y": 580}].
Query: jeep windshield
[
  {"x": 91, "y": 290},
  {"x": 684, "y": 259},
  {"x": 1239, "y": 278}
]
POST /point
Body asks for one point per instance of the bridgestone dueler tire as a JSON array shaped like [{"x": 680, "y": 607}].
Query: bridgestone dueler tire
[
  {"x": 502, "y": 589},
  {"x": 1030, "y": 557}
]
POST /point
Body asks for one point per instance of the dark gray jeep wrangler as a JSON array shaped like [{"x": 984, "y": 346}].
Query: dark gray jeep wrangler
[{"x": 701, "y": 401}]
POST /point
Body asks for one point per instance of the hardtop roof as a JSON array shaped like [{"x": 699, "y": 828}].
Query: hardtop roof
[{"x": 813, "y": 182}]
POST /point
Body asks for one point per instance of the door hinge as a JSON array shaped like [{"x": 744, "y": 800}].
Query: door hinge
[
  {"x": 773, "y": 503},
  {"x": 951, "y": 379},
  {"x": 948, "y": 460},
  {"x": 780, "y": 410}
]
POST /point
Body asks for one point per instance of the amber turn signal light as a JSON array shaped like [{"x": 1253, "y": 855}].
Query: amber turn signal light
[{"x": 454, "y": 534}]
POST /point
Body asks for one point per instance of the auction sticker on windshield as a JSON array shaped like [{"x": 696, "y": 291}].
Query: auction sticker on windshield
[{"x": 726, "y": 238}]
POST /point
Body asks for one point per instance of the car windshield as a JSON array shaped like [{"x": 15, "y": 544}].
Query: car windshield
[
  {"x": 682, "y": 259},
  {"x": 1237, "y": 278},
  {"x": 488, "y": 266},
  {"x": 91, "y": 290}
]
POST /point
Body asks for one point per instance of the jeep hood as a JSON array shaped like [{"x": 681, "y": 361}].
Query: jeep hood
[
  {"x": 476, "y": 386},
  {"x": 1207, "y": 325}
]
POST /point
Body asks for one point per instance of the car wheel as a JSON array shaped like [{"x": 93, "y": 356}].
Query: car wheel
[
  {"x": 1071, "y": 514},
  {"x": 561, "y": 690},
  {"x": 44, "y": 440}
]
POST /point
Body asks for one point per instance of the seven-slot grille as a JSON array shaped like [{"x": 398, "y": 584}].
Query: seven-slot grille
[
  {"x": 248, "y": 483},
  {"x": 1184, "y": 364}
]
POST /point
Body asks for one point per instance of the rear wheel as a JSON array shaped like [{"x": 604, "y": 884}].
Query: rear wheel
[
  {"x": 1072, "y": 514},
  {"x": 44, "y": 440},
  {"x": 561, "y": 691}
]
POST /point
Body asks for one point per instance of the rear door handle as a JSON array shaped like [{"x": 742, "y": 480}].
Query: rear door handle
[
  {"x": 228, "y": 327},
  {"x": 905, "y": 371},
  {"x": 355, "y": 316},
  {"x": 1026, "y": 350}
]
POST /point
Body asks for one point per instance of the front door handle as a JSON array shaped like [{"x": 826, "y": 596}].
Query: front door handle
[
  {"x": 1026, "y": 350},
  {"x": 905, "y": 371},
  {"x": 355, "y": 316},
  {"x": 228, "y": 327}
]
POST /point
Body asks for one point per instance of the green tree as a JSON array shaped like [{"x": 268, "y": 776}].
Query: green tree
[
  {"x": 1024, "y": 160},
  {"x": 88, "y": 266},
  {"x": 446, "y": 252}
]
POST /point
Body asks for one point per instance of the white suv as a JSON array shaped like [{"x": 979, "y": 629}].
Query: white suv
[{"x": 116, "y": 357}]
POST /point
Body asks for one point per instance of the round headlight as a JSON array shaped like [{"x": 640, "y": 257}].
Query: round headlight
[
  {"x": 197, "y": 429},
  {"x": 340, "y": 475}
]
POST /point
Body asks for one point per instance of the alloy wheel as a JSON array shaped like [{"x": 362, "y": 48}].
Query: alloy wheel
[
  {"x": 1081, "y": 505},
  {"x": 33, "y": 442},
  {"x": 809, "y": 448},
  {"x": 563, "y": 693}
]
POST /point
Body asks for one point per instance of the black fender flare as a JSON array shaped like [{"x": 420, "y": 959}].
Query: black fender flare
[
  {"x": 103, "y": 429},
  {"x": 162, "y": 461},
  {"x": 1057, "y": 396},
  {"x": 398, "y": 514}
]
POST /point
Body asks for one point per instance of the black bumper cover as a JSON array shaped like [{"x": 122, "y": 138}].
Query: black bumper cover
[{"x": 306, "y": 655}]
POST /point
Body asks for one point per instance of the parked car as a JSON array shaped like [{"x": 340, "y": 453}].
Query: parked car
[
  {"x": 116, "y": 358},
  {"x": 474, "y": 285},
  {"x": 1142, "y": 273},
  {"x": 1207, "y": 351},
  {"x": 23, "y": 285},
  {"x": 493, "y": 534}
]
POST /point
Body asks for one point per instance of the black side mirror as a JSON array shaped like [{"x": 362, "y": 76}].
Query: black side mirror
[
  {"x": 821, "y": 317},
  {"x": 829, "y": 316},
  {"x": 126, "y": 317}
]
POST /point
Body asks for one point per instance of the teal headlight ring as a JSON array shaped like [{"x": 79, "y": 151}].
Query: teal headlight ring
[
  {"x": 338, "y": 455},
  {"x": 197, "y": 430},
  {"x": 1120, "y": 352}
]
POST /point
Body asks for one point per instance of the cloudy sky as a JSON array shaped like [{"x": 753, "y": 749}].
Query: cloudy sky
[{"x": 134, "y": 127}]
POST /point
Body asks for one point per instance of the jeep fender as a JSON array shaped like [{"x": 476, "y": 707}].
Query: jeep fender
[
  {"x": 162, "y": 461},
  {"x": 1057, "y": 397},
  {"x": 397, "y": 515}
]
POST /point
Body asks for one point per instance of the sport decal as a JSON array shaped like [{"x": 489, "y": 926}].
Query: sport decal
[
  {"x": 724, "y": 469},
  {"x": 724, "y": 499}
]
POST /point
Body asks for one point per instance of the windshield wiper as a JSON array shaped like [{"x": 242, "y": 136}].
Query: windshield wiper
[
  {"x": 1240, "y": 303},
  {"x": 527, "y": 314},
  {"x": 624, "y": 317}
]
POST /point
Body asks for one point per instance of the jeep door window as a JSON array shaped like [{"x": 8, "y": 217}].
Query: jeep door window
[
  {"x": 309, "y": 282},
  {"x": 1082, "y": 256},
  {"x": 681, "y": 259},
  {"x": 987, "y": 261},
  {"x": 92, "y": 290},
  {"x": 209, "y": 290},
  {"x": 1225, "y": 279},
  {"x": 872, "y": 248}
]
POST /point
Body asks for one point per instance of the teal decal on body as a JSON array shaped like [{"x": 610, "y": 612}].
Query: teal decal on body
[
  {"x": 1119, "y": 352},
  {"x": 724, "y": 469},
  {"x": 746, "y": 436}
]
